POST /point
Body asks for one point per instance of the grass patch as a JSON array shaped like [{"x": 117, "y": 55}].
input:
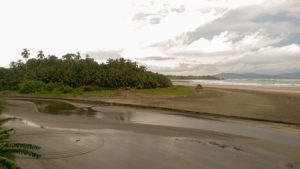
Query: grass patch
[
  {"x": 80, "y": 92},
  {"x": 108, "y": 92},
  {"x": 176, "y": 90}
]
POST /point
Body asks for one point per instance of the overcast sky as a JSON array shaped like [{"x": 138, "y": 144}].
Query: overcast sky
[{"x": 180, "y": 37}]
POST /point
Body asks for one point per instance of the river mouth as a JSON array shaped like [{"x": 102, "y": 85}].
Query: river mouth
[
  {"x": 114, "y": 113},
  {"x": 62, "y": 109}
]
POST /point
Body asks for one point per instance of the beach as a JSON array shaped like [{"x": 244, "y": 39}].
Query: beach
[
  {"x": 84, "y": 141},
  {"x": 218, "y": 127},
  {"x": 262, "y": 103}
]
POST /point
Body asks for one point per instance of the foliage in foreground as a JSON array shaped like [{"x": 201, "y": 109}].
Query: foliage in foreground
[
  {"x": 8, "y": 149},
  {"x": 53, "y": 73}
]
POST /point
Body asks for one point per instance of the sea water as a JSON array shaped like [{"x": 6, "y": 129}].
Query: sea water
[{"x": 248, "y": 82}]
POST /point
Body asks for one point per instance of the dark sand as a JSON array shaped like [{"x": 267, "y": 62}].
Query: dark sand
[
  {"x": 270, "y": 104},
  {"x": 249, "y": 102},
  {"x": 81, "y": 142}
]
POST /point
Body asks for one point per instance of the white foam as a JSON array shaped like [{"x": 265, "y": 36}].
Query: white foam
[{"x": 250, "y": 82}]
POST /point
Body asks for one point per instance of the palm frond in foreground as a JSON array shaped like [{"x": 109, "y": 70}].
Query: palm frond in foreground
[{"x": 8, "y": 149}]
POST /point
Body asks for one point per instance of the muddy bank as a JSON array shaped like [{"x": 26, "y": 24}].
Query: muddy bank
[
  {"x": 259, "y": 104},
  {"x": 84, "y": 141}
]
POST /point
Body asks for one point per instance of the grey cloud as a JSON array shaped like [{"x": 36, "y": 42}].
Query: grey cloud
[
  {"x": 293, "y": 38},
  {"x": 278, "y": 17},
  {"x": 187, "y": 69},
  {"x": 281, "y": 25},
  {"x": 158, "y": 15},
  {"x": 152, "y": 18},
  {"x": 156, "y": 58},
  {"x": 140, "y": 16},
  {"x": 105, "y": 54},
  {"x": 178, "y": 10},
  {"x": 257, "y": 58},
  {"x": 268, "y": 68},
  {"x": 194, "y": 54},
  {"x": 155, "y": 20},
  {"x": 242, "y": 21}
]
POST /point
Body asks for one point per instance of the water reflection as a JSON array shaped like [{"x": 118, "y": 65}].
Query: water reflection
[
  {"x": 168, "y": 118},
  {"x": 62, "y": 108},
  {"x": 118, "y": 116}
]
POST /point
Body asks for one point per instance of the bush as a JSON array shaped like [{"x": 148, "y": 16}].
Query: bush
[
  {"x": 31, "y": 86},
  {"x": 89, "y": 88},
  {"x": 51, "y": 86},
  {"x": 65, "y": 89},
  {"x": 1, "y": 106}
]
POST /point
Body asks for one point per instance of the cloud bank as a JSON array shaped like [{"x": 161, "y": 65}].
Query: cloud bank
[{"x": 168, "y": 36}]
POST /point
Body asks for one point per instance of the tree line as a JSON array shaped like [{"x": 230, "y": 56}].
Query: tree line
[{"x": 72, "y": 71}]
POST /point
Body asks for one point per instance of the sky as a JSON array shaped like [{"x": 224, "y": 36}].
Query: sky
[{"x": 190, "y": 37}]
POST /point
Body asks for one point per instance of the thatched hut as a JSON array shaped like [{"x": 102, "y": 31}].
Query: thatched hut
[{"x": 199, "y": 88}]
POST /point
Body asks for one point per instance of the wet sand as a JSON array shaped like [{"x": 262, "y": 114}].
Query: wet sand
[
  {"x": 258, "y": 103},
  {"x": 269, "y": 104},
  {"x": 72, "y": 141}
]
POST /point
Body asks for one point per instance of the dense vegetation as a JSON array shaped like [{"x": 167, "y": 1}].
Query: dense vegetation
[
  {"x": 1, "y": 106},
  {"x": 208, "y": 77},
  {"x": 71, "y": 71}
]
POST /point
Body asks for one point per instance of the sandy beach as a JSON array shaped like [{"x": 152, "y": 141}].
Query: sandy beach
[
  {"x": 122, "y": 135},
  {"x": 269, "y": 104},
  {"x": 79, "y": 141},
  {"x": 261, "y": 103}
]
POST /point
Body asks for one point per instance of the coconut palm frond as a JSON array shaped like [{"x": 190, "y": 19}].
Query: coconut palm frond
[
  {"x": 6, "y": 131},
  {"x": 18, "y": 150},
  {"x": 21, "y": 145},
  {"x": 4, "y": 137},
  {"x": 4, "y": 134},
  {"x": 7, "y": 164},
  {"x": 4, "y": 120}
]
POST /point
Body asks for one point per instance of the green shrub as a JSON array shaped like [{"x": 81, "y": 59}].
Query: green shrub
[
  {"x": 31, "y": 86},
  {"x": 1, "y": 106},
  {"x": 89, "y": 88},
  {"x": 51, "y": 86},
  {"x": 65, "y": 89}
]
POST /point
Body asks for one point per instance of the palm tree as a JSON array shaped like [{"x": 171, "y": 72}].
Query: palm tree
[
  {"x": 7, "y": 149},
  {"x": 25, "y": 53},
  {"x": 13, "y": 64},
  {"x": 78, "y": 56},
  {"x": 41, "y": 55}
]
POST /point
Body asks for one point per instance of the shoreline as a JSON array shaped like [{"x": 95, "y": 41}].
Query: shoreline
[
  {"x": 146, "y": 101},
  {"x": 93, "y": 142},
  {"x": 281, "y": 89},
  {"x": 204, "y": 114}
]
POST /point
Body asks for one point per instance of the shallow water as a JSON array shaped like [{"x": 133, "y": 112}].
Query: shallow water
[
  {"x": 62, "y": 108},
  {"x": 173, "y": 119},
  {"x": 248, "y": 82}
]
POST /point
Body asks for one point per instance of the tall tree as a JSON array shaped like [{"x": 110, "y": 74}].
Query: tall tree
[
  {"x": 12, "y": 64},
  {"x": 78, "y": 56},
  {"x": 41, "y": 55},
  {"x": 25, "y": 53},
  {"x": 68, "y": 56}
]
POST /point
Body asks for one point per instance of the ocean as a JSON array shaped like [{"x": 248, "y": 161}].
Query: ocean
[{"x": 248, "y": 82}]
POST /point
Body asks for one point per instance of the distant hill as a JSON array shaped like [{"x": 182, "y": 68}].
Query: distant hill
[
  {"x": 208, "y": 77},
  {"x": 295, "y": 75}
]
